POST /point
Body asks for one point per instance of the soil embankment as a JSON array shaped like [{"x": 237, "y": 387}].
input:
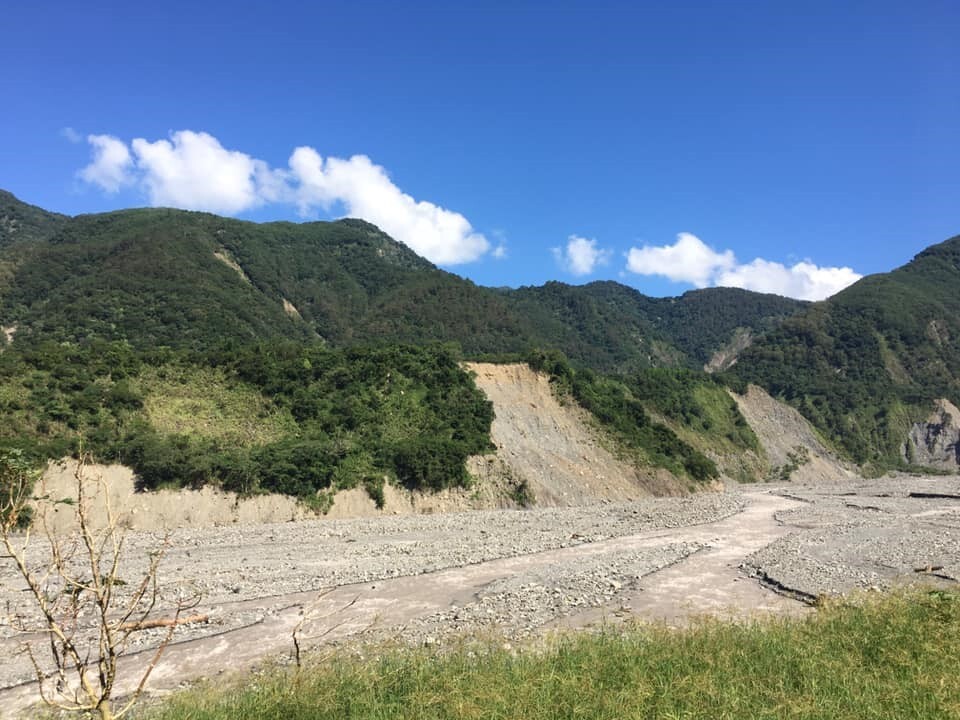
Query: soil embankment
[
  {"x": 553, "y": 447},
  {"x": 789, "y": 441}
]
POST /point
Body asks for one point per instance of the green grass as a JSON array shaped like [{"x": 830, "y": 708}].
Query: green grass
[
  {"x": 890, "y": 657},
  {"x": 201, "y": 402}
]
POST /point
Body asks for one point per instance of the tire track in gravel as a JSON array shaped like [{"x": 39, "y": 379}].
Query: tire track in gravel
[{"x": 706, "y": 581}]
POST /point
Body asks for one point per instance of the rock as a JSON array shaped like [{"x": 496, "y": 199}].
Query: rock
[{"x": 936, "y": 442}]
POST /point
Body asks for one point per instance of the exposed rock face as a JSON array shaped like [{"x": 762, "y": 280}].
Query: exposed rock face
[{"x": 936, "y": 442}]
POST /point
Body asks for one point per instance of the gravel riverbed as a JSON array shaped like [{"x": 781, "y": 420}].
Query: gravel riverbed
[{"x": 426, "y": 578}]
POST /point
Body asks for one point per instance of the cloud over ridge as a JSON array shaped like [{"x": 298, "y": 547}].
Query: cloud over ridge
[
  {"x": 581, "y": 255},
  {"x": 193, "y": 171},
  {"x": 692, "y": 261}
]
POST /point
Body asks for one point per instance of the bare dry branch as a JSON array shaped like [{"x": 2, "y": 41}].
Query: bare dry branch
[
  {"x": 77, "y": 599},
  {"x": 310, "y": 615}
]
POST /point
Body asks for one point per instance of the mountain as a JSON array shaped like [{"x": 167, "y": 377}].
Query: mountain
[
  {"x": 22, "y": 223},
  {"x": 191, "y": 280},
  {"x": 866, "y": 365},
  {"x": 875, "y": 368}
]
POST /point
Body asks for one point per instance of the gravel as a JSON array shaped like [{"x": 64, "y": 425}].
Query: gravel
[
  {"x": 865, "y": 534},
  {"x": 517, "y": 607},
  {"x": 235, "y": 570},
  {"x": 239, "y": 562},
  {"x": 841, "y": 537}
]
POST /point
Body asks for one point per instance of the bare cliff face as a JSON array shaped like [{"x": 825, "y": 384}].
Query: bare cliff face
[{"x": 936, "y": 442}]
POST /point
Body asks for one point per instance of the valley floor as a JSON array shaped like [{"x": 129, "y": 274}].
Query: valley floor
[{"x": 429, "y": 578}]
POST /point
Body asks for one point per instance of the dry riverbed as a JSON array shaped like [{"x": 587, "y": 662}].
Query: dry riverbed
[{"x": 427, "y": 578}]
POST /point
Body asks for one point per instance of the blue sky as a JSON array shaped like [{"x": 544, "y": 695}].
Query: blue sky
[{"x": 778, "y": 146}]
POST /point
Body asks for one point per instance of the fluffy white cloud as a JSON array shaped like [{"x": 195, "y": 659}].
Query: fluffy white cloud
[
  {"x": 803, "y": 280},
  {"x": 192, "y": 170},
  {"x": 691, "y": 260},
  {"x": 365, "y": 190},
  {"x": 111, "y": 166},
  {"x": 581, "y": 255}
]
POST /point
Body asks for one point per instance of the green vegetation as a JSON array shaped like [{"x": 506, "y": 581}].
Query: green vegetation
[
  {"x": 289, "y": 418},
  {"x": 613, "y": 328},
  {"x": 21, "y": 223},
  {"x": 866, "y": 363},
  {"x": 160, "y": 277},
  {"x": 861, "y": 366},
  {"x": 618, "y": 409},
  {"x": 696, "y": 402},
  {"x": 203, "y": 402},
  {"x": 17, "y": 478},
  {"x": 666, "y": 417},
  {"x": 889, "y": 657}
]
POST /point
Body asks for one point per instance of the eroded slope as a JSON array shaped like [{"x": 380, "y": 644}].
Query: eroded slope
[{"x": 553, "y": 447}]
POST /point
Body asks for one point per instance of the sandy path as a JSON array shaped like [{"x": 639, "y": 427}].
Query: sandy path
[{"x": 706, "y": 581}]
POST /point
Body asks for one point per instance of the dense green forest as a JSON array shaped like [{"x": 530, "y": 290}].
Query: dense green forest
[
  {"x": 193, "y": 280},
  {"x": 280, "y": 417}
]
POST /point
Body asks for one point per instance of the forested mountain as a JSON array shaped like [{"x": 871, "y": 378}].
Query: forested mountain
[
  {"x": 866, "y": 364},
  {"x": 191, "y": 280},
  {"x": 306, "y": 358},
  {"x": 22, "y": 223}
]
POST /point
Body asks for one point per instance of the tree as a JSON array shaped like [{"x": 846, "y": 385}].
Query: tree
[{"x": 85, "y": 613}]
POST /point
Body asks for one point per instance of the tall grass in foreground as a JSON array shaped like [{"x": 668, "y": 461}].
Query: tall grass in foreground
[{"x": 888, "y": 657}]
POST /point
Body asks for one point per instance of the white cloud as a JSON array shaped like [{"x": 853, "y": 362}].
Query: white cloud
[
  {"x": 581, "y": 255},
  {"x": 691, "y": 260},
  {"x": 500, "y": 251},
  {"x": 803, "y": 280},
  {"x": 192, "y": 170},
  {"x": 365, "y": 190},
  {"x": 111, "y": 164},
  {"x": 687, "y": 260}
]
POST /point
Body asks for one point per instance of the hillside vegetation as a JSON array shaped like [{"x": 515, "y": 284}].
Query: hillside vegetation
[
  {"x": 865, "y": 364},
  {"x": 690, "y": 401},
  {"x": 193, "y": 280},
  {"x": 288, "y": 418}
]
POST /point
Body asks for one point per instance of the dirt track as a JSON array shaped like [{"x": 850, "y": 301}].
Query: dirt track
[{"x": 425, "y": 578}]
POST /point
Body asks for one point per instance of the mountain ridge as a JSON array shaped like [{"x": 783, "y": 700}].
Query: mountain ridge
[
  {"x": 866, "y": 366},
  {"x": 347, "y": 281}
]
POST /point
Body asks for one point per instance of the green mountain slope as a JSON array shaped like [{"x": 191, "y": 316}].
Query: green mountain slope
[
  {"x": 23, "y": 223},
  {"x": 194, "y": 280},
  {"x": 865, "y": 364}
]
